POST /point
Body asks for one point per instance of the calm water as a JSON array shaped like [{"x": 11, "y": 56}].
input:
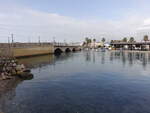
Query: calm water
[{"x": 84, "y": 82}]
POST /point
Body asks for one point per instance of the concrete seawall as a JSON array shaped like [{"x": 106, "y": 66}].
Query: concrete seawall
[{"x": 32, "y": 51}]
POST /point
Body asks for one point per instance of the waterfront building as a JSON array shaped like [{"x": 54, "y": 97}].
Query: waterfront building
[{"x": 131, "y": 45}]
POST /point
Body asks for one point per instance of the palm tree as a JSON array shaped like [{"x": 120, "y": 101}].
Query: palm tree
[
  {"x": 145, "y": 38},
  {"x": 84, "y": 43},
  {"x": 103, "y": 40},
  {"x": 124, "y": 39},
  {"x": 88, "y": 41},
  {"x": 94, "y": 40},
  {"x": 131, "y": 39},
  {"x": 112, "y": 41}
]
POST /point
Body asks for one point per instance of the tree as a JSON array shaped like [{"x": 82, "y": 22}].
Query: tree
[
  {"x": 103, "y": 40},
  {"x": 84, "y": 43},
  {"x": 124, "y": 39},
  {"x": 94, "y": 40},
  {"x": 88, "y": 41},
  {"x": 145, "y": 38},
  {"x": 131, "y": 39},
  {"x": 112, "y": 41}
]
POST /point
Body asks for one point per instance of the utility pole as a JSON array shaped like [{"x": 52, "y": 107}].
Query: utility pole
[
  {"x": 9, "y": 42},
  {"x": 8, "y": 46},
  {"x": 53, "y": 40},
  {"x": 64, "y": 41},
  {"x": 39, "y": 40},
  {"x": 12, "y": 37},
  {"x": 29, "y": 41}
]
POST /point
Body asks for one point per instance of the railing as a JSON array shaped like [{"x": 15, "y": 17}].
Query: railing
[
  {"x": 65, "y": 44},
  {"x": 130, "y": 43},
  {"x": 28, "y": 45},
  {"x": 23, "y": 45}
]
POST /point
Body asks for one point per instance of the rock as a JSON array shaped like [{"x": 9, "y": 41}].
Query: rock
[{"x": 26, "y": 75}]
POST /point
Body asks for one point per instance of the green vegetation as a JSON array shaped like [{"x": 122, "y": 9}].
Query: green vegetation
[
  {"x": 131, "y": 39},
  {"x": 89, "y": 41},
  {"x": 94, "y": 40},
  {"x": 124, "y": 39},
  {"x": 145, "y": 38},
  {"x": 103, "y": 40}
]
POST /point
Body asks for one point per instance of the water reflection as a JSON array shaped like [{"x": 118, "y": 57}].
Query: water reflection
[
  {"x": 103, "y": 58},
  {"x": 8, "y": 87},
  {"x": 41, "y": 61},
  {"x": 88, "y": 56},
  {"x": 132, "y": 58},
  {"x": 106, "y": 84},
  {"x": 37, "y": 61},
  {"x": 8, "y": 92}
]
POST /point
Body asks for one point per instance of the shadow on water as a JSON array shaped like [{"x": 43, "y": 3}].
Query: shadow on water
[
  {"x": 37, "y": 61},
  {"x": 44, "y": 60},
  {"x": 8, "y": 92}
]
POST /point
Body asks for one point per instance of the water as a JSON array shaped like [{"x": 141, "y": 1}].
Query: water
[{"x": 82, "y": 82}]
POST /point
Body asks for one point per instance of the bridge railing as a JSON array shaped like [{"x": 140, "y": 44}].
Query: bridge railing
[
  {"x": 23, "y": 45},
  {"x": 65, "y": 44},
  {"x": 28, "y": 45}
]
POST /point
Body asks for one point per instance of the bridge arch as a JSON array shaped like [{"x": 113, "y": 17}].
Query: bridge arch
[
  {"x": 74, "y": 49},
  {"x": 58, "y": 51},
  {"x": 67, "y": 50}
]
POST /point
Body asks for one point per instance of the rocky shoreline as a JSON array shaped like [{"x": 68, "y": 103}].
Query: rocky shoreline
[
  {"x": 11, "y": 74},
  {"x": 9, "y": 67}
]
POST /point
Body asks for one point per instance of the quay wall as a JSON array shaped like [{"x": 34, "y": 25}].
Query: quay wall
[{"x": 32, "y": 51}]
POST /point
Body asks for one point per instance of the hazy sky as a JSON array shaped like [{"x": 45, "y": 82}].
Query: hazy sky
[{"x": 73, "y": 20}]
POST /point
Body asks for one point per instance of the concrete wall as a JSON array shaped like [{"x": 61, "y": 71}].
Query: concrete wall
[{"x": 32, "y": 51}]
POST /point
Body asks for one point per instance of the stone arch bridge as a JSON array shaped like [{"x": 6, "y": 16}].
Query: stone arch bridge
[
  {"x": 65, "y": 48},
  {"x": 34, "y": 49}
]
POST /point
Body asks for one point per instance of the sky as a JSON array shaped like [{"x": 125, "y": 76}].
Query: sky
[{"x": 73, "y": 20}]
